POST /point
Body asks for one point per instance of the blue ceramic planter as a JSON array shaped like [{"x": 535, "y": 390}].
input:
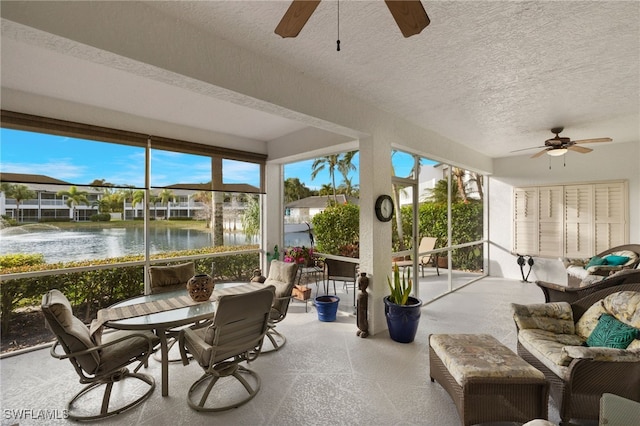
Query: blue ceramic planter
[
  {"x": 403, "y": 320},
  {"x": 327, "y": 307}
]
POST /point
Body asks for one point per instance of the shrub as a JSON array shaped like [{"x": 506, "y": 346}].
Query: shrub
[
  {"x": 20, "y": 259},
  {"x": 95, "y": 289},
  {"x": 100, "y": 217},
  {"x": 336, "y": 227}
]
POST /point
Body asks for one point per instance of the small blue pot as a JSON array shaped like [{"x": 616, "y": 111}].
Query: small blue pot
[{"x": 327, "y": 307}]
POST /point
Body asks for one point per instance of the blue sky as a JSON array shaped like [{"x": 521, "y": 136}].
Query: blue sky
[{"x": 80, "y": 162}]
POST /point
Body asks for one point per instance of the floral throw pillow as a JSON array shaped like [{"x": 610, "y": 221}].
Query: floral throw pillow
[{"x": 611, "y": 333}]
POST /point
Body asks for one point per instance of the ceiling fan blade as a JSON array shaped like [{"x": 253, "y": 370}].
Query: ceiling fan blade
[
  {"x": 580, "y": 149},
  {"x": 539, "y": 153},
  {"x": 296, "y": 17},
  {"x": 409, "y": 15},
  {"x": 594, "y": 140},
  {"x": 526, "y": 149}
]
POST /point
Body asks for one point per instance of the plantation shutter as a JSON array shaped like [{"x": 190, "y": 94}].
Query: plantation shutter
[
  {"x": 525, "y": 221},
  {"x": 570, "y": 220},
  {"x": 550, "y": 213},
  {"x": 610, "y": 218},
  {"x": 578, "y": 202}
]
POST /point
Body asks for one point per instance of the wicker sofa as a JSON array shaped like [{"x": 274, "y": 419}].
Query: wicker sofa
[{"x": 551, "y": 337}]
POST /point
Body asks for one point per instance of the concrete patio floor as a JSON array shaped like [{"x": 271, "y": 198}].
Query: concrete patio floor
[{"x": 324, "y": 375}]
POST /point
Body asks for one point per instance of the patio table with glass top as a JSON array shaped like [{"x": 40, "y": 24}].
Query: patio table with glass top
[{"x": 165, "y": 311}]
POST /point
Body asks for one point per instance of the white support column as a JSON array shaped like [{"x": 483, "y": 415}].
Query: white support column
[
  {"x": 272, "y": 212},
  {"x": 375, "y": 236}
]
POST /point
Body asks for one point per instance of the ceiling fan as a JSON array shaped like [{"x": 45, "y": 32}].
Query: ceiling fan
[
  {"x": 409, "y": 15},
  {"x": 558, "y": 146}
]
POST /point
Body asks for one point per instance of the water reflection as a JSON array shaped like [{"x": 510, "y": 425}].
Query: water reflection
[{"x": 67, "y": 245}]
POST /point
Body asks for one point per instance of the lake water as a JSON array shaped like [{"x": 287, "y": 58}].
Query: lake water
[{"x": 84, "y": 244}]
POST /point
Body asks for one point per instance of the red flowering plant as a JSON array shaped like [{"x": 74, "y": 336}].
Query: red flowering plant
[{"x": 300, "y": 255}]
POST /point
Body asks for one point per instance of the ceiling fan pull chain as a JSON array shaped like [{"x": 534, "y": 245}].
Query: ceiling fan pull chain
[{"x": 338, "y": 41}]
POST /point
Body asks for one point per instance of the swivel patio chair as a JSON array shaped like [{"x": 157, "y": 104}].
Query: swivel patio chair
[
  {"x": 282, "y": 275},
  {"x": 99, "y": 360},
  {"x": 235, "y": 336}
]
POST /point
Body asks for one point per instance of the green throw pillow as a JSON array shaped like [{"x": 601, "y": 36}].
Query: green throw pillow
[
  {"x": 611, "y": 333},
  {"x": 596, "y": 261},
  {"x": 616, "y": 260}
]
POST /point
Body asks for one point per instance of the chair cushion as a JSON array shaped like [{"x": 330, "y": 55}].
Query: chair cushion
[
  {"x": 596, "y": 261},
  {"x": 554, "y": 317},
  {"x": 282, "y": 275},
  {"x": 589, "y": 319},
  {"x": 120, "y": 354},
  {"x": 550, "y": 344},
  {"x": 69, "y": 329},
  {"x": 616, "y": 260},
  {"x": 624, "y": 306},
  {"x": 170, "y": 278},
  {"x": 611, "y": 333}
]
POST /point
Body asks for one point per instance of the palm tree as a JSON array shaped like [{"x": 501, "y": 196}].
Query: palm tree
[
  {"x": 165, "y": 196},
  {"x": 136, "y": 198},
  {"x": 459, "y": 174},
  {"x": 439, "y": 193},
  {"x": 19, "y": 193},
  {"x": 218, "y": 217},
  {"x": 330, "y": 162},
  {"x": 325, "y": 189},
  {"x": 295, "y": 190},
  {"x": 345, "y": 165},
  {"x": 74, "y": 198}
]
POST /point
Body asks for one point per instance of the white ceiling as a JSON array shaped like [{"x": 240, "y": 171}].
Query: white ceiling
[{"x": 494, "y": 76}]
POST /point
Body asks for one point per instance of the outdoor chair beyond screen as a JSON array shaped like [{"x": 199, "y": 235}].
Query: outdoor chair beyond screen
[
  {"x": 236, "y": 335},
  {"x": 282, "y": 275},
  {"x": 99, "y": 361}
]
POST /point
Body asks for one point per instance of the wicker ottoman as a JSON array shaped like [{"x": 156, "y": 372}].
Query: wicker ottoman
[{"x": 486, "y": 380}]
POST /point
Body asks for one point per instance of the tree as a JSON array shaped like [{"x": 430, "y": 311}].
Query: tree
[
  {"x": 19, "y": 193},
  {"x": 440, "y": 193},
  {"x": 251, "y": 217},
  {"x": 136, "y": 198},
  {"x": 74, "y": 198},
  {"x": 164, "y": 197},
  {"x": 459, "y": 175},
  {"x": 295, "y": 190},
  {"x": 204, "y": 197},
  {"x": 325, "y": 189},
  {"x": 345, "y": 166},
  {"x": 330, "y": 162}
]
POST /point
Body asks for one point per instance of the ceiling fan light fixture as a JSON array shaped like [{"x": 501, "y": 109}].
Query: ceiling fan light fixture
[{"x": 557, "y": 152}]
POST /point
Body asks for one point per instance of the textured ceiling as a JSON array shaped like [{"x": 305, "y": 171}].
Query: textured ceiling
[{"x": 495, "y": 76}]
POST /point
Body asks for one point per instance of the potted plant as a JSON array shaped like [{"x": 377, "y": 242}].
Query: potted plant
[
  {"x": 401, "y": 309},
  {"x": 300, "y": 255}
]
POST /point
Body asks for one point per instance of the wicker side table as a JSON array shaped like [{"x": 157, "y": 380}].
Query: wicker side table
[{"x": 486, "y": 380}]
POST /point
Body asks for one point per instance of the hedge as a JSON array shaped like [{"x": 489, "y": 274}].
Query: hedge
[{"x": 91, "y": 290}]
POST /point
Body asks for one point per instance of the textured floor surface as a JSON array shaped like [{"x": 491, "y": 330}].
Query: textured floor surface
[{"x": 324, "y": 375}]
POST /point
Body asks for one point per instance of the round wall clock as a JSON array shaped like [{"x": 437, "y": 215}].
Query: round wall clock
[{"x": 384, "y": 208}]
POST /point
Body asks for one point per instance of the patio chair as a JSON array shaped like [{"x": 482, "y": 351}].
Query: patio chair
[
  {"x": 99, "y": 360},
  {"x": 163, "y": 279},
  {"x": 282, "y": 275},
  {"x": 170, "y": 278},
  {"x": 427, "y": 244},
  {"x": 240, "y": 323},
  {"x": 339, "y": 270}
]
